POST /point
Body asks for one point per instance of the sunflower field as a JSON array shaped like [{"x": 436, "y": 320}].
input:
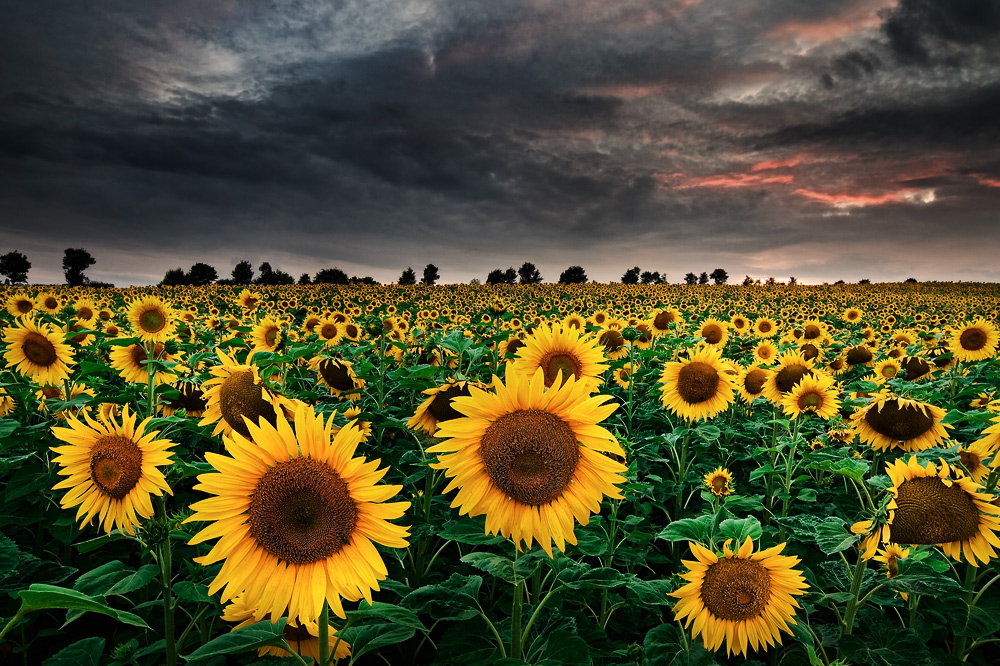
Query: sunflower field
[{"x": 473, "y": 475}]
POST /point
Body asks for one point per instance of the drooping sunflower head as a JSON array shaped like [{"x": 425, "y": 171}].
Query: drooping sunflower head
[
  {"x": 888, "y": 422},
  {"x": 859, "y": 355},
  {"x": 623, "y": 376},
  {"x": 615, "y": 345},
  {"x": 745, "y": 598},
  {"x": 112, "y": 468},
  {"x": 938, "y": 505},
  {"x": 437, "y": 407},
  {"x": 792, "y": 366},
  {"x": 659, "y": 320},
  {"x": 266, "y": 335},
  {"x": 697, "y": 387},
  {"x": 719, "y": 482},
  {"x": 191, "y": 399},
  {"x": 235, "y": 392},
  {"x": 302, "y": 637},
  {"x": 152, "y": 320},
  {"x": 338, "y": 375},
  {"x": 975, "y": 342},
  {"x": 531, "y": 458},
  {"x": 38, "y": 351},
  {"x": 815, "y": 393},
  {"x": 298, "y": 515},
  {"x": 975, "y": 458},
  {"x": 562, "y": 353},
  {"x": 7, "y": 404}
]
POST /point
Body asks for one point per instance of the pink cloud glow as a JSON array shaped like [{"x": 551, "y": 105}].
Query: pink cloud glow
[
  {"x": 988, "y": 182},
  {"x": 853, "y": 21},
  {"x": 862, "y": 200}
]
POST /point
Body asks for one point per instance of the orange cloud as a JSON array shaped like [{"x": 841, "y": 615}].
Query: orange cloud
[
  {"x": 681, "y": 182},
  {"x": 862, "y": 200},
  {"x": 988, "y": 182},
  {"x": 853, "y": 21}
]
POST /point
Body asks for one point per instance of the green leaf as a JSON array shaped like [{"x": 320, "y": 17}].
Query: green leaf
[
  {"x": 389, "y": 612},
  {"x": 738, "y": 529},
  {"x": 919, "y": 578},
  {"x": 94, "y": 544},
  {"x": 495, "y": 565},
  {"x": 976, "y": 621},
  {"x": 708, "y": 432},
  {"x": 664, "y": 646},
  {"x": 467, "y": 644},
  {"x": 86, "y": 652},
  {"x": 244, "y": 639},
  {"x": 370, "y": 637},
  {"x": 592, "y": 543},
  {"x": 135, "y": 580},
  {"x": 101, "y": 579},
  {"x": 455, "y": 599},
  {"x": 189, "y": 591},
  {"x": 566, "y": 648},
  {"x": 8, "y": 427},
  {"x": 687, "y": 529},
  {"x": 579, "y": 578},
  {"x": 41, "y": 597},
  {"x": 651, "y": 592},
  {"x": 761, "y": 471},
  {"x": 886, "y": 646},
  {"x": 832, "y": 537},
  {"x": 471, "y": 531}
]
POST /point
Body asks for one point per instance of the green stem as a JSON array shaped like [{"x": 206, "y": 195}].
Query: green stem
[
  {"x": 340, "y": 634},
  {"x": 847, "y": 625},
  {"x": 292, "y": 653},
  {"x": 496, "y": 634},
  {"x": 151, "y": 380},
  {"x": 540, "y": 606},
  {"x": 969, "y": 588},
  {"x": 515, "y": 613},
  {"x": 681, "y": 473},
  {"x": 324, "y": 634},
  {"x": 166, "y": 575},
  {"x": 187, "y": 630},
  {"x": 17, "y": 616}
]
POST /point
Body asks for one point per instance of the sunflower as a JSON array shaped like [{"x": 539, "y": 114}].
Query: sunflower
[
  {"x": 836, "y": 366},
  {"x": 765, "y": 328},
  {"x": 297, "y": 514},
  {"x": 886, "y": 369},
  {"x": 249, "y": 300},
  {"x": 531, "y": 459},
  {"x": 814, "y": 393},
  {"x": 266, "y": 335},
  {"x": 973, "y": 458},
  {"x": 890, "y": 557},
  {"x": 888, "y": 422},
  {"x": 302, "y": 637},
  {"x": 859, "y": 355},
  {"x": 38, "y": 351},
  {"x": 338, "y": 375},
  {"x": 20, "y": 305},
  {"x": 151, "y": 319},
  {"x": 86, "y": 309},
  {"x": 562, "y": 352},
  {"x": 7, "y": 403},
  {"x": 750, "y": 383},
  {"x": 936, "y": 506},
  {"x": 191, "y": 400},
  {"x": 437, "y": 407},
  {"x": 739, "y": 324},
  {"x": 59, "y": 393},
  {"x": 719, "y": 482},
  {"x": 130, "y": 362},
  {"x": 615, "y": 345},
  {"x": 852, "y": 315},
  {"x": 812, "y": 329},
  {"x": 914, "y": 368},
  {"x": 235, "y": 392},
  {"x": 47, "y": 302},
  {"x": 743, "y": 597},
  {"x": 714, "y": 331},
  {"x": 623, "y": 376},
  {"x": 330, "y": 331},
  {"x": 975, "y": 342},
  {"x": 659, "y": 321},
  {"x": 697, "y": 387},
  {"x": 112, "y": 469},
  {"x": 792, "y": 367},
  {"x": 574, "y": 321},
  {"x": 764, "y": 353}
]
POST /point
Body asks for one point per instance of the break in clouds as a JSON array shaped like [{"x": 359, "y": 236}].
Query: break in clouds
[{"x": 834, "y": 140}]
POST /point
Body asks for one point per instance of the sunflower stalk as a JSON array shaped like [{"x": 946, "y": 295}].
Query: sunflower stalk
[
  {"x": 847, "y": 624},
  {"x": 150, "y": 379},
  {"x": 968, "y": 591},
  {"x": 324, "y": 635},
  {"x": 515, "y": 611},
  {"x": 166, "y": 576}
]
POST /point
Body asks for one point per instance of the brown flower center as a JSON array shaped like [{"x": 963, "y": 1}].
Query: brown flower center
[
  {"x": 50, "y": 303},
  {"x": 969, "y": 460},
  {"x": 929, "y": 512},
  {"x": 301, "y": 511},
  {"x": 736, "y": 589},
  {"x": 612, "y": 340},
  {"x": 24, "y": 306},
  {"x": 915, "y": 367},
  {"x": 764, "y": 327},
  {"x": 712, "y": 333},
  {"x": 240, "y": 396},
  {"x": 530, "y": 455},
  {"x": 898, "y": 423},
  {"x": 788, "y": 377},
  {"x": 555, "y": 362},
  {"x": 809, "y": 351},
  {"x": 115, "y": 465},
  {"x": 335, "y": 374},
  {"x": 39, "y": 350},
  {"x": 271, "y": 337},
  {"x": 152, "y": 320},
  {"x": 697, "y": 382},
  {"x": 329, "y": 331},
  {"x": 85, "y": 313},
  {"x": 972, "y": 339},
  {"x": 440, "y": 407},
  {"x": 753, "y": 382},
  {"x": 663, "y": 319},
  {"x": 858, "y": 355},
  {"x": 811, "y": 332},
  {"x": 811, "y": 400}
]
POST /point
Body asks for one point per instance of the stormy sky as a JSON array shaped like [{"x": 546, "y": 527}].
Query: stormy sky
[{"x": 822, "y": 140}]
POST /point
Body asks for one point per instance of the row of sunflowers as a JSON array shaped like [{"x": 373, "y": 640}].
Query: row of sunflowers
[{"x": 604, "y": 474}]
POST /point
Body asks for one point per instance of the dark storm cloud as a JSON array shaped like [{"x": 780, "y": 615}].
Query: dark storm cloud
[
  {"x": 393, "y": 132},
  {"x": 915, "y": 28}
]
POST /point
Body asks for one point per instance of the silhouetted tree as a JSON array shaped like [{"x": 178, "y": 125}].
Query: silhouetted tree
[
  {"x": 719, "y": 276},
  {"x": 792, "y": 281},
  {"x": 690, "y": 278},
  {"x": 653, "y": 277},
  {"x": 529, "y": 274},
  {"x": 202, "y": 274},
  {"x": 364, "y": 280},
  {"x": 305, "y": 279},
  {"x": 573, "y": 275},
  {"x": 330, "y": 276},
  {"x": 500, "y": 276},
  {"x": 864, "y": 281},
  {"x": 631, "y": 276},
  {"x": 174, "y": 277},
  {"x": 15, "y": 266},
  {"x": 243, "y": 273},
  {"x": 839, "y": 282},
  {"x": 747, "y": 281},
  {"x": 770, "y": 282},
  {"x": 430, "y": 274},
  {"x": 906, "y": 281},
  {"x": 75, "y": 262},
  {"x": 408, "y": 277},
  {"x": 703, "y": 278},
  {"x": 269, "y": 276}
]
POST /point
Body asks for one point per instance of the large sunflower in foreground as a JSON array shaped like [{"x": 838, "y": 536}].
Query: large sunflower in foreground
[
  {"x": 697, "y": 387},
  {"x": 939, "y": 506},
  {"x": 975, "y": 342},
  {"x": 111, "y": 469},
  {"x": 38, "y": 351},
  {"x": 743, "y": 598},
  {"x": 562, "y": 351},
  {"x": 152, "y": 320},
  {"x": 234, "y": 391},
  {"x": 888, "y": 422},
  {"x": 296, "y": 514},
  {"x": 532, "y": 459}
]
